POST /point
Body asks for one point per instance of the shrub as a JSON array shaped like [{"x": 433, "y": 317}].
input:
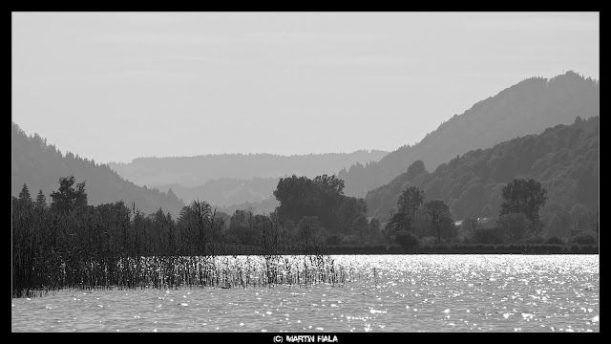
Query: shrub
[
  {"x": 554, "y": 241},
  {"x": 407, "y": 240},
  {"x": 428, "y": 240},
  {"x": 584, "y": 239},
  {"x": 333, "y": 240},
  {"x": 488, "y": 236},
  {"x": 535, "y": 240}
]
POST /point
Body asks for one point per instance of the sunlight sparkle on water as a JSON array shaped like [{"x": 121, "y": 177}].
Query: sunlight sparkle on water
[{"x": 406, "y": 293}]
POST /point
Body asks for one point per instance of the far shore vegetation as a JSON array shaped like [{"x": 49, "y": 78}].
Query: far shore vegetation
[{"x": 68, "y": 243}]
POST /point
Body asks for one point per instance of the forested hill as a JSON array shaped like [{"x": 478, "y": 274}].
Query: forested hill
[
  {"x": 525, "y": 108},
  {"x": 564, "y": 159},
  {"x": 196, "y": 171},
  {"x": 39, "y": 166}
]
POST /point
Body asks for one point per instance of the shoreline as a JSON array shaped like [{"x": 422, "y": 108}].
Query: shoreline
[{"x": 525, "y": 249}]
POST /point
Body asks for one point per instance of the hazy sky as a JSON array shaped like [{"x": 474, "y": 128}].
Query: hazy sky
[{"x": 116, "y": 86}]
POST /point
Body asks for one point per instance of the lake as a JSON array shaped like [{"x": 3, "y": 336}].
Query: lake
[{"x": 383, "y": 293}]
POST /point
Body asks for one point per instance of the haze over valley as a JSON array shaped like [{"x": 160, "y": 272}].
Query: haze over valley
[{"x": 305, "y": 172}]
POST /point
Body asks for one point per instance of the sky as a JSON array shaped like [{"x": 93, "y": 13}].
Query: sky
[{"x": 115, "y": 86}]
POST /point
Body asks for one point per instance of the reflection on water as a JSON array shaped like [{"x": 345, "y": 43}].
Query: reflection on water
[{"x": 395, "y": 293}]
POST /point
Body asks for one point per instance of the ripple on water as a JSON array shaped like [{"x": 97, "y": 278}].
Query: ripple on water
[{"x": 480, "y": 292}]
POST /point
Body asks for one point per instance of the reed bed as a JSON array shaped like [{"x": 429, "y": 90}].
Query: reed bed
[{"x": 169, "y": 272}]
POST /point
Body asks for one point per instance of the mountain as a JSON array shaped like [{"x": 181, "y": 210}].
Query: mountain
[
  {"x": 39, "y": 166},
  {"x": 262, "y": 207},
  {"x": 525, "y": 108},
  {"x": 196, "y": 171},
  {"x": 565, "y": 159},
  {"x": 226, "y": 191}
]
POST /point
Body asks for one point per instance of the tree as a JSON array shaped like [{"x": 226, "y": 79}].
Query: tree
[
  {"x": 241, "y": 228},
  {"x": 329, "y": 184},
  {"x": 195, "y": 220},
  {"x": 514, "y": 226},
  {"x": 557, "y": 221},
  {"x": 440, "y": 219},
  {"x": 346, "y": 213},
  {"x": 67, "y": 198},
  {"x": 41, "y": 201},
  {"x": 523, "y": 196},
  {"x": 360, "y": 227},
  {"x": 407, "y": 240},
  {"x": 297, "y": 197},
  {"x": 309, "y": 234},
  {"x": 409, "y": 202},
  {"x": 164, "y": 227},
  {"x": 24, "y": 196},
  {"x": 415, "y": 169},
  {"x": 374, "y": 232},
  {"x": 579, "y": 218},
  {"x": 269, "y": 233},
  {"x": 321, "y": 197},
  {"x": 468, "y": 228}
]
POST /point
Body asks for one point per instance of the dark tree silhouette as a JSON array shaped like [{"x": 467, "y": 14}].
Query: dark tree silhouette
[
  {"x": 440, "y": 218},
  {"x": 41, "y": 201},
  {"x": 321, "y": 197},
  {"x": 513, "y": 226},
  {"x": 67, "y": 198},
  {"x": 24, "y": 195},
  {"x": 525, "y": 197},
  {"x": 309, "y": 234},
  {"x": 409, "y": 202}
]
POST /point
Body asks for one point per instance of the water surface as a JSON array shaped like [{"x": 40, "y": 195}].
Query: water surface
[{"x": 392, "y": 293}]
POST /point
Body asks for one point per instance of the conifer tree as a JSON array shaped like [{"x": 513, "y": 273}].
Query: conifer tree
[
  {"x": 24, "y": 195},
  {"x": 41, "y": 201}
]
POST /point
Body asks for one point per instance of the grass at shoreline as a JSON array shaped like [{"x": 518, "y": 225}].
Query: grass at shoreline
[{"x": 467, "y": 249}]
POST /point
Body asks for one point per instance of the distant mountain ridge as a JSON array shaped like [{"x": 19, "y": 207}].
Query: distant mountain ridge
[
  {"x": 226, "y": 191},
  {"x": 196, "y": 171},
  {"x": 39, "y": 166},
  {"x": 565, "y": 159},
  {"x": 527, "y": 107},
  {"x": 262, "y": 207}
]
